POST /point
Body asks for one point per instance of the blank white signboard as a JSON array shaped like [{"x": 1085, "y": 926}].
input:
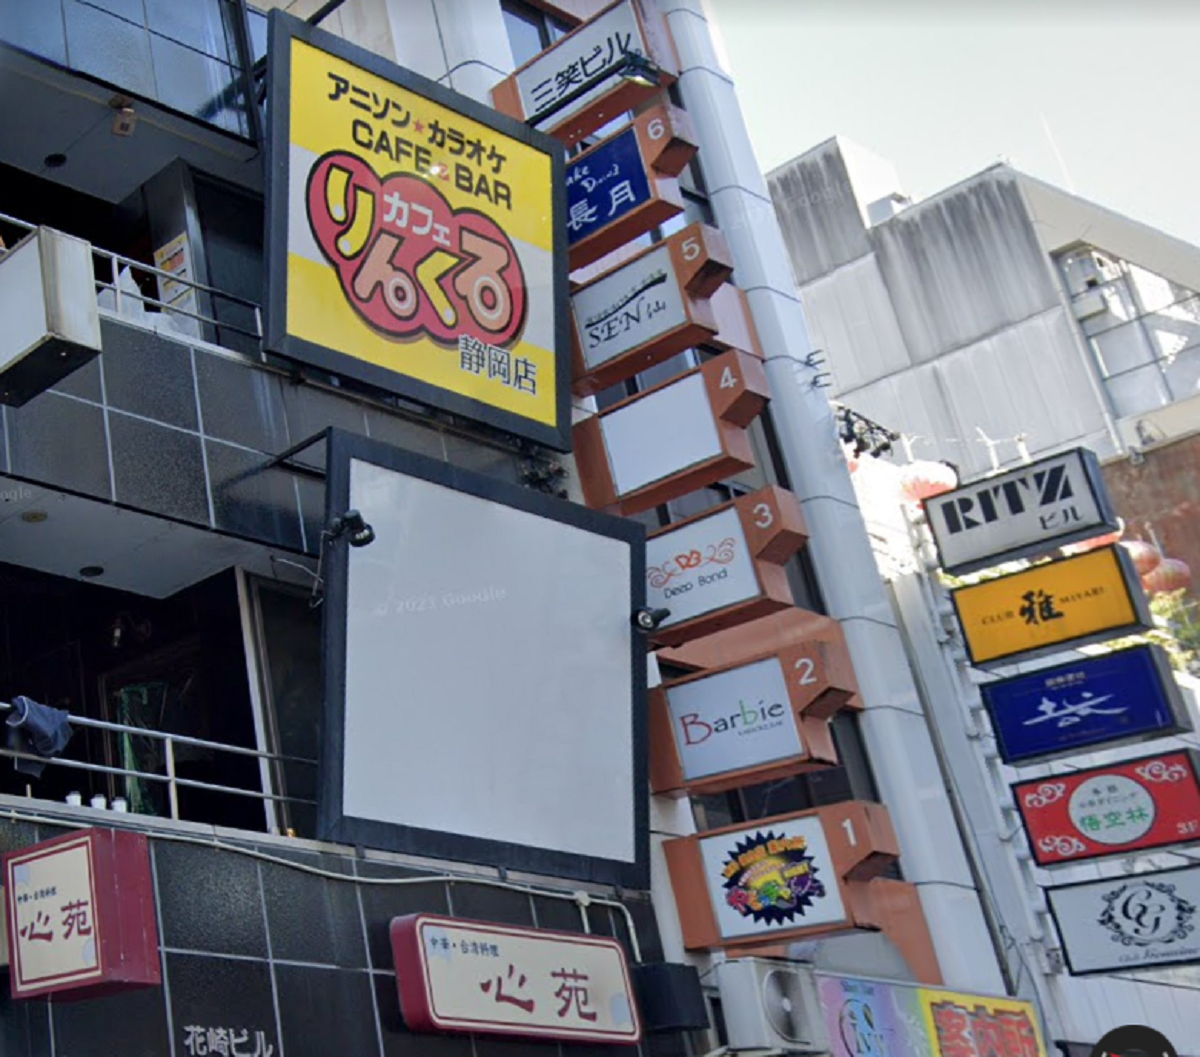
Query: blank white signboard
[{"x": 488, "y": 688}]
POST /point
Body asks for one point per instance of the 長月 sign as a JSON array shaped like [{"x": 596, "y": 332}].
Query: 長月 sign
[
  {"x": 1117, "y": 697},
  {"x": 1022, "y": 513},
  {"x": 471, "y": 976},
  {"x": 416, "y": 238},
  {"x": 1130, "y": 921}
]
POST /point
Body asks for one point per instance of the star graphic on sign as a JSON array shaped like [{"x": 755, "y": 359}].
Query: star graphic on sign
[{"x": 419, "y": 126}]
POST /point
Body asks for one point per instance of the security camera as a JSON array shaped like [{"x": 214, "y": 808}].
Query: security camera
[
  {"x": 649, "y": 619},
  {"x": 352, "y": 525}
]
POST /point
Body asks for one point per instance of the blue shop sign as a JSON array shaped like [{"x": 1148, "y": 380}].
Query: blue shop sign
[
  {"x": 1126, "y": 695},
  {"x": 605, "y": 184}
]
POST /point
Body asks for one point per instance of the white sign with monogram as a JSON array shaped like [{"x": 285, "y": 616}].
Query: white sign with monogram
[{"x": 1129, "y": 922}]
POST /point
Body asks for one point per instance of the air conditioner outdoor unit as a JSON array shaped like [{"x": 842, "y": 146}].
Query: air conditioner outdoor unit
[{"x": 771, "y": 1006}]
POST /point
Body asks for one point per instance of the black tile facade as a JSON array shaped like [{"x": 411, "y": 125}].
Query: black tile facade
[
  {"x": 209, "y": 900},
  {"x": 310, "y": 918},
  {"x": 240, "y": 404},
  {"x": 201, "y": 467},
  {"x": 147, "y": 376},
  {"x": 233, "y": 995},
  {"x": 24, "y": 1026},
  {"x": 483, "y": 903},
  {"x": 325, "y": 1011},
  {"x": 133, "y": 1024},
  {"x": 61, "y": 442},
  {"x": 381, "y": 903},
  {"x": 255, "y": 948},
  {"x": 158, "y": 469},
  {"x": 250, "y": 499}
]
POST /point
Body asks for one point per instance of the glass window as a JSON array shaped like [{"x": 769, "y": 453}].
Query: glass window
[
  {"x": 1138, "y": 391},
  {"x": 526, "y": 35}
]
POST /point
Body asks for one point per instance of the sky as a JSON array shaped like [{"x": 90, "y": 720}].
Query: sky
[{"x": 1097, "y": 96}]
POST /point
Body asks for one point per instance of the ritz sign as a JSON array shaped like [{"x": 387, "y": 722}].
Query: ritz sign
[{"x": 1022, "y": 513}]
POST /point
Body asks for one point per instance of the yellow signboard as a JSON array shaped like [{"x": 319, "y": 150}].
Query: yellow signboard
[
  {"x": 416, "y": 239},
  {"x": 1088, "y": 598},
  {"x": 973, "y": 1026}
]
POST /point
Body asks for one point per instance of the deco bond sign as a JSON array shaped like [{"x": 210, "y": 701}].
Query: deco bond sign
[
  {"x": 1021, "y": 514},
  {"x": 1135, "y": 805},
  {"x": 1046, "y": 608},
  {"x": 1130, "y": 921},
  {"x": 416, "y": 238}
]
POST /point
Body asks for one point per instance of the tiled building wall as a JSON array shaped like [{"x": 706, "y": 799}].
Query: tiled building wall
[
  {"x": 256, "y": 946},
  {"x": 184, "y": 433}
]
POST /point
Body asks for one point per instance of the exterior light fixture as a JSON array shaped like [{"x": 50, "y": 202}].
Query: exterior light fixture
[
  {"x": 351, "y": 525},
  {"x": 640, "y": 70}
]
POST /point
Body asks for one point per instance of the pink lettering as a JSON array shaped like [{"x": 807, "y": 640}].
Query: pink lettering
[{"x": 691, "y": 720}]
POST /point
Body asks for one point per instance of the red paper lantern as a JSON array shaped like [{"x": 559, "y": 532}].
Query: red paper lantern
[
  {"x": 924, "y": 479},
  {"x": 1170, "y": 574},
  {"x": 1145, "y": 555},
  {"x": 1096, "y": 542}
]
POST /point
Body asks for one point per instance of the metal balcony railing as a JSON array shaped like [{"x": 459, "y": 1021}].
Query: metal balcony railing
[
  {"x": 171, "y": 779},
  {"x": 118, "y": 294}
]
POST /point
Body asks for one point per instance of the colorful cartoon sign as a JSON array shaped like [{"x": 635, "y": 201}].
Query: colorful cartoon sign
[
  {"x": 460, "y": 976},
  {"x": 1042, "y": 609},
  {"x": 773, "y": 878},
  {"x": 416, "y": 239},
  {"x": 1135, "y": 805},
  {"x": 1116, "y": 697},
  {"x": 866, "y": 1018}
]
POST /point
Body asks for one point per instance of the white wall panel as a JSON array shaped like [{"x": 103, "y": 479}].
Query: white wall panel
[{"x": 851, "y": 318}]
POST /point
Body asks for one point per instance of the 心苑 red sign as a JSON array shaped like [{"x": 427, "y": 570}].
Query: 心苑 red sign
[
  {"x": 471, "y": 976},
  {"x": 81, "y": 915},
  {"x": 1133, "y": 805}
]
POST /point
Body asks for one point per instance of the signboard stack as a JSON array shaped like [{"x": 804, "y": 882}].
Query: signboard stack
[
  {"x": 1122, "y": 697},
  {"x": 764, "y": 714}
]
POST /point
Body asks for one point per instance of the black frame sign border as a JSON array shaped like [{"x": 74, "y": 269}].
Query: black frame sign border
[
  {"x": 1161, "y": 666},
  {"x": 1115, "y": 879},
  {"x": 332, "y": 823},
  {"x": 283, "y": 29},
  {"x": 1095, "y": 479},
  {"x": 1144, "y": 619}
]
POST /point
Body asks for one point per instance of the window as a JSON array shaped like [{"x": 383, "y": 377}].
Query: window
[{"x": 530, "y": 31}]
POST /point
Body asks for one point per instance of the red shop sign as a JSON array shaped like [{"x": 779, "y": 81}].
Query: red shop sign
[{"x": 1134, "y": 805}]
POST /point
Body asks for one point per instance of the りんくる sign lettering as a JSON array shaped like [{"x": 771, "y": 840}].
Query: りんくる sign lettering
[
  {"x": 1042, "y": 609},
  {"x": 416, "y": 240}
]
